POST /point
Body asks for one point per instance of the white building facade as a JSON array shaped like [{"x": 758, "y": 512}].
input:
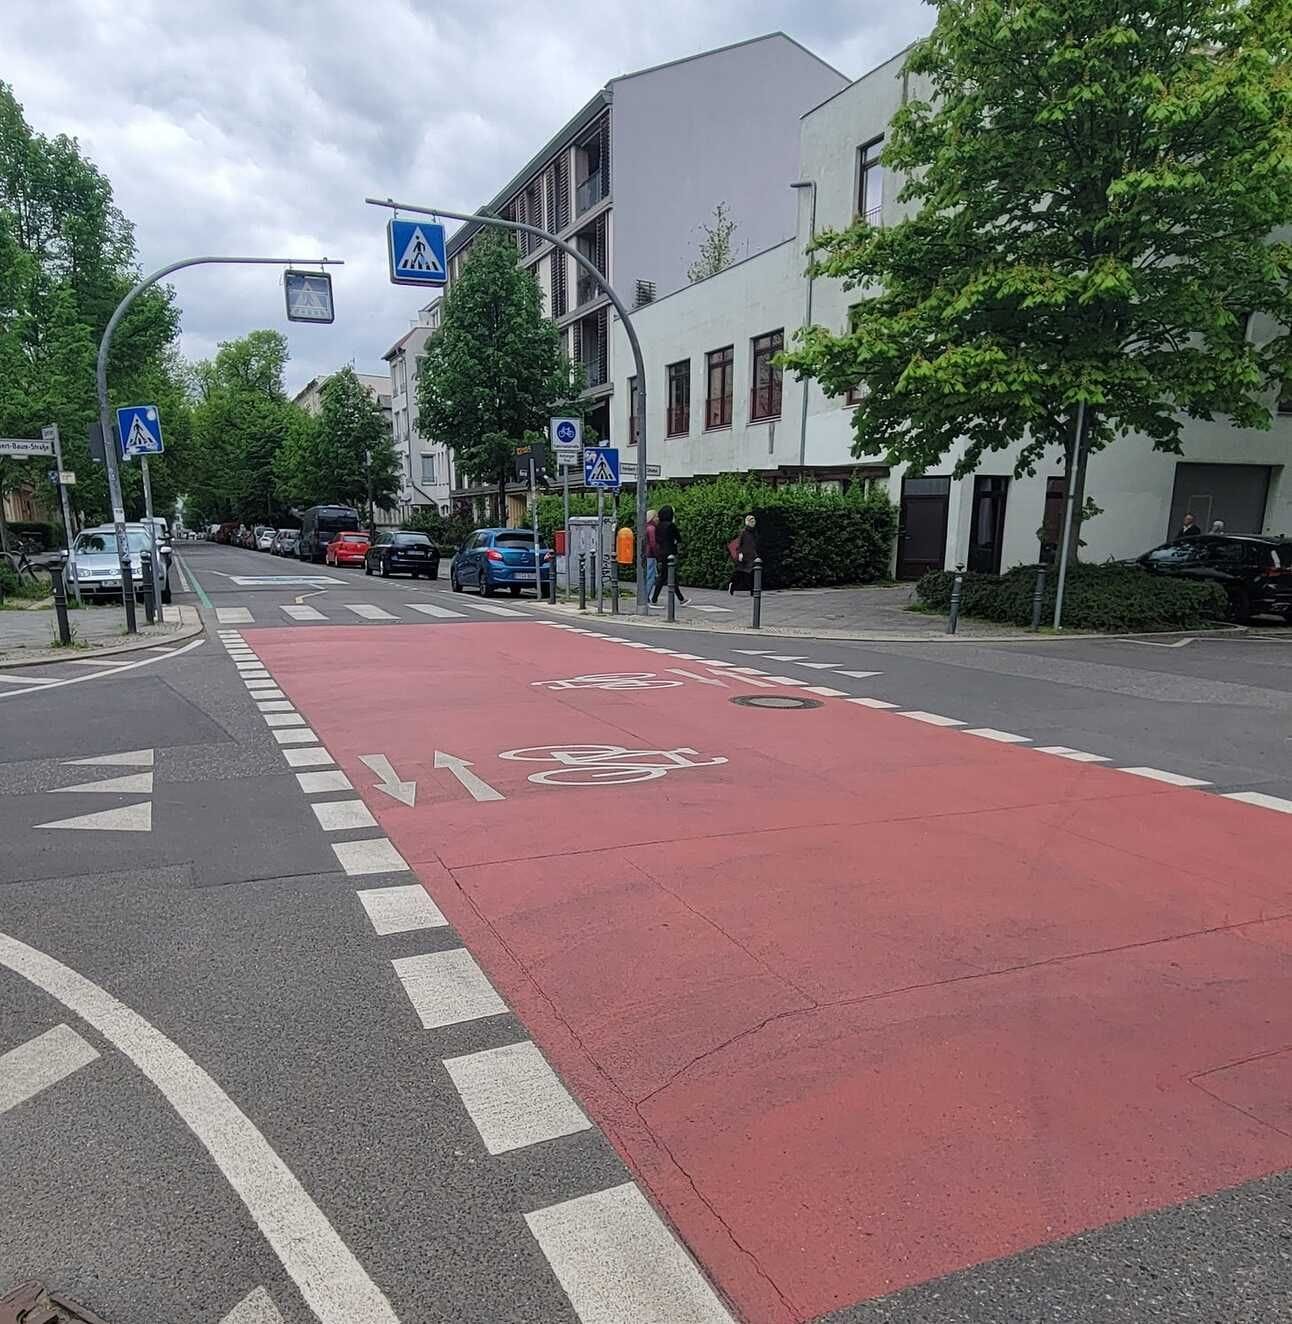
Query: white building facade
[
  {"x": 716, "y": 404},
  {"x": 426, "y": 467},
  {"x": 630, "y": 180}
]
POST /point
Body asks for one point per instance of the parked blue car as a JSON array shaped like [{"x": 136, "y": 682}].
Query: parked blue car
[{"x": 493, "y": 559}]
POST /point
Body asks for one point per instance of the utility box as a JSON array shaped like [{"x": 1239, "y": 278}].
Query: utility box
[{"x": 583, "y": 538}]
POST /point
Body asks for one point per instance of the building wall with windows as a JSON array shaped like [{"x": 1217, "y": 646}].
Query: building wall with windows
[
  {"x": 987, "y": 520},
  {"x": 426, "y": 467}
]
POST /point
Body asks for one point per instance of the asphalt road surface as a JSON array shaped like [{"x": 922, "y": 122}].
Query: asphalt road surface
[{"x": 394, "y": 954}]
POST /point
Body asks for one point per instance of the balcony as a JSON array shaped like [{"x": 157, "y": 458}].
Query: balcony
[
  {"x": 586, "y": 289},
  {"x": 589, "y": 193},
  {"x": 595, "y": 371}
]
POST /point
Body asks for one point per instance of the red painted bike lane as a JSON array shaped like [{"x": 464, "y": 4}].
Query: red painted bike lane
[{"x": 861, "y": 1001}]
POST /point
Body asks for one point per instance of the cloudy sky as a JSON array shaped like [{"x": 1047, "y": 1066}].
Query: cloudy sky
[{"x": 256, "y": 127}]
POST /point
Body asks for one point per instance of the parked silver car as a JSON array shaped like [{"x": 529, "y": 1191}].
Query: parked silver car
[{"x": 94, "y": 569}]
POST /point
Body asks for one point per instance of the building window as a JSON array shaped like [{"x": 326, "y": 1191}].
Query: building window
[
  {"x": 765, "y": 394},
  {"x": 679, "y": 398},
  {"x": 720, "y": 369},
  {"x": 634, "y": 431},
  {"x": 1285, "y": 397},
  {"x": 870, "y": 181},
  {"x": 855, "y": 393},
  {"x": 428, "y": 469}
]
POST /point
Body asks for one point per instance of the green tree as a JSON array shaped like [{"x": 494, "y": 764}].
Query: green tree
[
  {"x": 493, "y": 372},
  {"x": 717, "y": 252},
  {"x": 1095, "y": 185},
  {"x": 355, "y": 446}
]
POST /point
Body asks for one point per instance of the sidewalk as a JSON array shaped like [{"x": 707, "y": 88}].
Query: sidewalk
[
  {"x": 29, "y": 637},
  {"x": 869, "y": 612}
]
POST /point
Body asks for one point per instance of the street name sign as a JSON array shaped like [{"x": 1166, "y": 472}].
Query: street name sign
[
  {"x": 140, "y": 428},
  {"x": 416, "y": 252},
  {"x": 309, "y": 296},
  {"x": 23, "y": 448},
  {"x": 601, "y": 467}
]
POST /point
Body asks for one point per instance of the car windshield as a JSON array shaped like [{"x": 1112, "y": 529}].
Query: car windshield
[
  {"x": 90, "y": 544},
  {"x": 1175, "y": 553}
]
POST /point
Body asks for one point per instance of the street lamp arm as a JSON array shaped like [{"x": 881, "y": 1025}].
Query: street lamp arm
[
  {"x": 638, "y": 362},
  {"x": 105, "y": 418}
]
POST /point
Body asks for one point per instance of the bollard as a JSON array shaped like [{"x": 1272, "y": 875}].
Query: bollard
[
  {"x": 614, "y": 592},
  {"x": 60, "y": 604},
  {"x": 146, "y": 586},
  {"x": 597, "y": 571},
  {"x": 551, "y": 584},
  {"x": 672, "y": 589},
  {"x": 758, "y": 593},
  {"x": 1037, "y": 594},
  {"x": 583, "y": 581},
  {"x": 953, "y": 617}
]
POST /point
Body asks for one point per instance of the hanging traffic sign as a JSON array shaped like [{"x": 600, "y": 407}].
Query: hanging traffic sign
[
  {"x": 601, "y": 467},
  {"x": 567, "y": 439},
  {"x": 140, "y": 428},
  {"x": 309, "y": 296},
  {"x": 416, "y": 252}
]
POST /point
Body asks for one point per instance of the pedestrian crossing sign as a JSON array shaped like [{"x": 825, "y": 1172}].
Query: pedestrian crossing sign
[
  {"x": 309, "y": 296},
  {"x": 416, "y": 251},
  {"x": 140, "y": 428},
  {"x": 601, "y": 467}
]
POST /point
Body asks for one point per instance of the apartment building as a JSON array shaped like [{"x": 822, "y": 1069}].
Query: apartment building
[
  {"x": 716, "y": 402},
  {"x": 426, "y": 466},
  {"x": 631, "y": 178},
  {"x": 310, "y": 396}
]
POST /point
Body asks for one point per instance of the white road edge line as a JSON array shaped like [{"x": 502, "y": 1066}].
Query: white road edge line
[
  {"x": 332, "y": 1282},
  {"x": 1003, "y": 737},
  {"x": 1170, "y": 778},
  {"x": 1261, "y": 800},
  {"x": 1076, "y": 755},
  {"x": 115, "y": 670},
  {"x": 930, "y": 719}
]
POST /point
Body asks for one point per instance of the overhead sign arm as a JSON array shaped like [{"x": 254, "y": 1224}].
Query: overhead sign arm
[
  {"x": 590, "y": 267},
  {"x": 105, "y": 415}
]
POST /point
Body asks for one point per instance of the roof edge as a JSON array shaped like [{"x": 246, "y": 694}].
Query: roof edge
[{"x": 722, "y": 50}]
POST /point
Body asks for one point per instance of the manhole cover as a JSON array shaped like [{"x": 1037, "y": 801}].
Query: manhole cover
[{"x": 776, "y": 701}]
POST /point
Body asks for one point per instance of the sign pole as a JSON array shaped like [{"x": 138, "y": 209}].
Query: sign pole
[
  {"x": 601, "y": 546},
  {"x": 152, "y": 537},
  {"x": 533, "y": 514},
  {"x": 565, "y": 477},
  {"x": 50, "y": 434}
]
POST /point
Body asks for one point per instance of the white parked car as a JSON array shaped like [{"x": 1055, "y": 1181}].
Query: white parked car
[
  {"x": 95, "y": 569},
  {"x": 265, "y": 540}
]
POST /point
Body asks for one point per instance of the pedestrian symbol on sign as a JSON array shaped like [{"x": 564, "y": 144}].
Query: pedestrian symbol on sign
[
  {"x": 417, "y": 254},
  {"x": 416, "y": 251}
]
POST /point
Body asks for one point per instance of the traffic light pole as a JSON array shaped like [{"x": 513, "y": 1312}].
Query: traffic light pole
[
  {"x": 638, "y": 362},
  {"x": 105, "y": 414}
]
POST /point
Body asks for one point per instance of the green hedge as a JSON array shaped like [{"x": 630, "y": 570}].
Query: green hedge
[
  {"x": 806, "y": 536},
  {"x": 1095, "y": 597}
]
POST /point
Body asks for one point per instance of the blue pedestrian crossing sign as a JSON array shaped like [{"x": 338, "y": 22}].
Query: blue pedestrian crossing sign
[
  {"x": 140, "y": 428},
  {"x": 416, "y": 251},
  {"x": 600, "y": 467}
]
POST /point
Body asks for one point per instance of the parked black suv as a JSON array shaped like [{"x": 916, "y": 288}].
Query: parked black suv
[{"x": 1256, "y": 572}]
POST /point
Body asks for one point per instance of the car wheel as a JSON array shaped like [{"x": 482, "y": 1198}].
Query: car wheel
[
  {"x": 453, "y": 581},
  {"x": 383, "y": 569},
  {"x": 1240, "y": 606},
  {"x": 367, "y": 569},
  {"x": 515, "y": 590},
  {"x": 435, "y": 574},
  {"x": 487, "y": 590}
]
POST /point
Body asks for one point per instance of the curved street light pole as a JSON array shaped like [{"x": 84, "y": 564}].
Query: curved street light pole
[
  {"x": 639, "y": 363},
  {"x": 105, "y": 416}
]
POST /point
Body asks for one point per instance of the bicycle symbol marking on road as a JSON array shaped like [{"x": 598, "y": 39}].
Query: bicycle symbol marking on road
[
  {"x": 605, "y": 765},
  {"x": 622, "y": 680}
]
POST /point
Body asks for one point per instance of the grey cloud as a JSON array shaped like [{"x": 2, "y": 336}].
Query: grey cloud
[{"x": 258, "y": 126}]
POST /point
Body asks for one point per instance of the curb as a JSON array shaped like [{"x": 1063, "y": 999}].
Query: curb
[
  {"x": 190, "y": 625},
  {"x": 855, "y": 636}
]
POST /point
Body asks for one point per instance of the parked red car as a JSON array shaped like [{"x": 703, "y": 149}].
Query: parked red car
[{"x": 346, "y": 549}]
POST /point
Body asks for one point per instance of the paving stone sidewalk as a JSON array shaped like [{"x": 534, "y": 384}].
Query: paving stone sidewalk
[{"x": 29, "y": 635}]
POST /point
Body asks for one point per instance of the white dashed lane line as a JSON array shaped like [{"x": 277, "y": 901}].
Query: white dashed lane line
[
  {"x": 1170, "y": 778},
  {"x": 1262, "y": 801},
  {"x": 404, "y": 908},
  {"x": 447, "y": 988}
]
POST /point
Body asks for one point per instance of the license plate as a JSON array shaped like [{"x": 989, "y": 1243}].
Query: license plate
[{"x": 523, "y": 574}]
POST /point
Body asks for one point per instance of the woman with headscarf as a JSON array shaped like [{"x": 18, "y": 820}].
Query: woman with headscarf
[
  {"x": 743, "y": 549},
  {"x": 652, "y": 520},
  {"x": 668, "y": 542}
]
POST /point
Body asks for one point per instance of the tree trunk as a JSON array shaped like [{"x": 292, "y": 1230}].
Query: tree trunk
[
  {"x": 500, "y": 515},
  {"x": 1079, "y": 492}
]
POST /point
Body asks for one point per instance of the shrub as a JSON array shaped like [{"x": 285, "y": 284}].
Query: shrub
[
  {"x": 447, "y": 532},
  {"x": 806, "y": 536},
  {"x": 1095, "y": 597}
]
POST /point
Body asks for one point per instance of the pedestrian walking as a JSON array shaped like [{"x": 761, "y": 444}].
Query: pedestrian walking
[
  {"x": 668, "y": 542},
  {"x": 1188, "y": 528},
  {"x": 744, "y": 550},
  {"x": 652, "y": 574}
]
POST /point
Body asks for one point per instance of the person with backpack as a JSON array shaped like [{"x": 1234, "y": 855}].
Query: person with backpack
[{"x": 668, "y": 542}]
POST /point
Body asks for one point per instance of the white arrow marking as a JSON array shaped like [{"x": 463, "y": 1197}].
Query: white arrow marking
[
  {"x": 461, "y": 769},
  {"x": 404, "y": 792},
  {"x": 257, "y": 1307},
  {"x": 1149, "y": 643},
  {"x": 135, "y": 758},
  {"x": 129, "y": 818},
  {"x": 135, "y": 783}
]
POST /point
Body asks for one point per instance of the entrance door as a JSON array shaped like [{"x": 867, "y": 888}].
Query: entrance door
[
  {"x": 987, "y": 529},
  {"x": 922, "y": 526}
]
